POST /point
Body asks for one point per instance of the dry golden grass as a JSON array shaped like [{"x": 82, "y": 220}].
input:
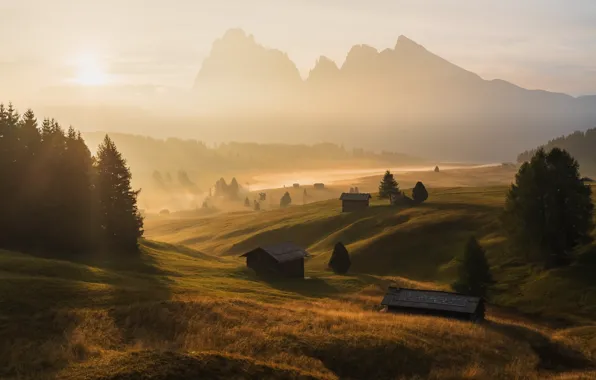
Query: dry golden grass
[{"x": 176, "y": 313}]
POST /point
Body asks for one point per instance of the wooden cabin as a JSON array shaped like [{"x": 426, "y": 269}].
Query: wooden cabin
[
  {"x": 354, "y": 201},
  {"x": 437, "y": 303},
  {"x": 319, "y": 186},
  {"x": 285, "y": 260}
]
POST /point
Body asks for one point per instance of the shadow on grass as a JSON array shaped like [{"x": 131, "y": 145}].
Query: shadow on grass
[
  {"x": 45, "y": 301},
  {"x": 371, "y": 360},
  {"x": 308, "y": 286},
  {"x": 553, "y": 356}
]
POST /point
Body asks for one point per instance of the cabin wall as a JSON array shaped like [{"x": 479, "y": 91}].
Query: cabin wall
[
  {"x": 436, "y": 313},
  {"x": 294, "y": 268},
  {"x": 349, "y": 206},
  {"x": 264, "y": 265},
  {"x": 261, "y": 263}
]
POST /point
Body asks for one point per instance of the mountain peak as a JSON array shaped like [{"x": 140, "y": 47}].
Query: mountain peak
[
  {"x": 325, "y": 69},
  {"x": 403, "y": 41}
]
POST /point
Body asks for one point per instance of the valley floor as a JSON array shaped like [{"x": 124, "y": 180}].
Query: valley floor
[{"x": 187, "y": 307}]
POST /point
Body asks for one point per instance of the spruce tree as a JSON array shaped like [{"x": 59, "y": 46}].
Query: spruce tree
[
  {"x": 548, "y": 211},
  {"x": 121, "y": 224},
  {"x": 233, "y": 189},
  {"x": 9, "y": 172},
  {"x": 29, "y": 193},
  {"x": 474, "y": 275},
  {"x": 340, "y": 259},
  {"x": 388, "y": 186},
  {"x": 77, "y": 190},
  {"x": 419, "y": 193}
]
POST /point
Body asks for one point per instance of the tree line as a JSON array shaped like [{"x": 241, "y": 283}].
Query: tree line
[
  {"x": 55, "y": 196},
  {"x": 548, "y": 215},
  {"x": 579, "y": 144}
]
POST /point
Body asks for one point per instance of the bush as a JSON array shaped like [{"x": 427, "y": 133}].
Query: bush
[
  {"x": 340, "y": 259},
  {"x": 419, "y": 193},
  {"x": 286, "y": 200}
]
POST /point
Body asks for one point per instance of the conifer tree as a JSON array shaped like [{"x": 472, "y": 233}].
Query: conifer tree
[
  {"x": 77, "y": 191},
  {"x": 233, "y": 189},
  {"x": 388, "y": 186},
  {"x": 474, "y": 275},
  {"x": 9, "y": 171},
  {"x": 340, "y": 259},
  {"x": 548, "y": 211},
  {"x": 120, "y": 221},
  {"x": 29, "y": 192}
]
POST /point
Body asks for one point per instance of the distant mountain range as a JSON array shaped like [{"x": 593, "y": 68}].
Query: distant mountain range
[{"x": 406, "y": 96}]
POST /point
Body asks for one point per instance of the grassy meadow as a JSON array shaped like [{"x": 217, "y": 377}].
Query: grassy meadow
[{"x": 187, "y": 307}]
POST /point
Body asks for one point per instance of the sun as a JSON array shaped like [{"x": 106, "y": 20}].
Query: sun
[{"x": 89, "y": 71}]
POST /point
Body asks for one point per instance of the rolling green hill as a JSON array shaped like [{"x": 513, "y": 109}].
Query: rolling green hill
[{"x": 187, "y": 306}]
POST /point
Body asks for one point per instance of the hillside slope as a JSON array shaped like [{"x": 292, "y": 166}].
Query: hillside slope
[{"x": 174, "y": 312}]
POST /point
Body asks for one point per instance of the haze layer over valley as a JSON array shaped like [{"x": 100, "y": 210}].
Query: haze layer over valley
[{"x": 404, "y": 98}]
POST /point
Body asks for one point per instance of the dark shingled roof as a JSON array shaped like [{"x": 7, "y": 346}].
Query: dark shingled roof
[
  {"x": 282, "y": 252},
  {"x": 430, "y": 299},
  {"x": 355, "y": 197}
]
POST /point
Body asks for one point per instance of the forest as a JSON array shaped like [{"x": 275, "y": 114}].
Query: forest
[
  {"x": 55, "y": 196},
  {"x": 581, "y": 145}
]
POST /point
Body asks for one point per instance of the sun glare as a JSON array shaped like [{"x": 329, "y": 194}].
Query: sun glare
[{"x": 89, "y": 71}]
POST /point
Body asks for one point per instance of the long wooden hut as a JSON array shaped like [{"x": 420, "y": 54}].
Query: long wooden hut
[{"x": 431, "y": 302}]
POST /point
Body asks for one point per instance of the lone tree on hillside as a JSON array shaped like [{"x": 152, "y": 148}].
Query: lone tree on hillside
[
  {"x": 340, "y": 259},
  {"x": 121, "y": 223},
  {"x": 474, "y": 275},
  {"x": 437, "y": 169},
  {"x": 286, "y": 200},
  {"x": 388, "y": 186},
  {"x": 548, "y": 211},
  {"x": 419, "y": 193}
]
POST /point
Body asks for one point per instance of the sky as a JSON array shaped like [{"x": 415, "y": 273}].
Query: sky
[{"x": 538, "y": 44}]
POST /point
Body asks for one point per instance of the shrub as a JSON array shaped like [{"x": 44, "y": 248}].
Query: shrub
[
  {"x": 340, "y": 259},
  {"x": 419, "y": 193},
  {"x": 286, "y": 200}
]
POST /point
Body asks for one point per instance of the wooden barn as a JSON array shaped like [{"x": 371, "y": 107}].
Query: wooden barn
[
  {"x": 286, "y": 260},
  {"x": 437, "y": 303},
  {"x": 354, "y": 201},
  {"x": 319, "y": 186}
]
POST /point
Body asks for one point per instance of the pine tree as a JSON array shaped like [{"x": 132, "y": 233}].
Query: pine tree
[
  {"x": 9, "y": 172},
  {"x": 76, "y": 171},
  {"x": 29, "y": 191},
  {"x": 120, "y": 221},
  {"x": 340, "y": 259},
  {"x": 286, "y": 200},
  {"x": 388, "y": 186},
  {"x": 474, "y": 275},
  {"x": 233, "y": 189},
  {"x": 419, "y": 193},
  {"x": 549, "y": 210}
]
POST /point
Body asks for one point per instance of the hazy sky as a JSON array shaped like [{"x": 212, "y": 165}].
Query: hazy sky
[{"x": 534, "y": 43}]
